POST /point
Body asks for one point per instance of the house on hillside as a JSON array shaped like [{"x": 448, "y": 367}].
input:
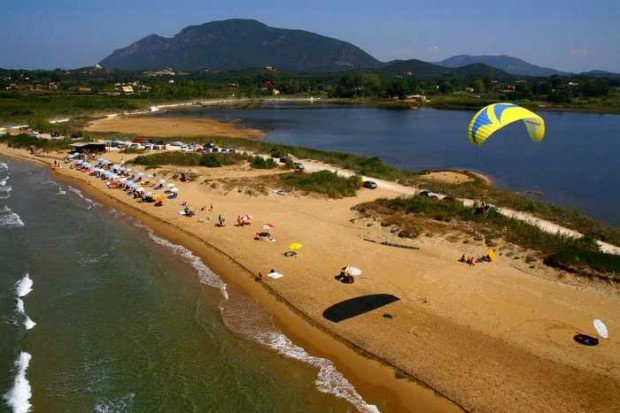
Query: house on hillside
[{"x": 127, "y": 89}]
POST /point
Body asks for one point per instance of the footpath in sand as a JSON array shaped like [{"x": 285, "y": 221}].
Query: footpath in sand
[
  {"x": 495, "y": 337},
  {"x": 170, "y": 127}
]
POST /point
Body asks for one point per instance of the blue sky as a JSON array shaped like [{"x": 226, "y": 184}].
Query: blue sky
[{"x": 567, "y": 35}]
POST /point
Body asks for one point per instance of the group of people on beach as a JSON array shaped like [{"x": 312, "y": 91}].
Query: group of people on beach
[{"x": 473, "y": 260}]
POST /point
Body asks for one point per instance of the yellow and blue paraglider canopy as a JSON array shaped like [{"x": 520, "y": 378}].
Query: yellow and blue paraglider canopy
[{"x": 494, "y": 117}]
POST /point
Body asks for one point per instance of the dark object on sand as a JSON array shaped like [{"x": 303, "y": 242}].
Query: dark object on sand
[
  {"x": 290, "y": 254},
  {"x": 586, "y": 340},
  {"x": 357, "y": 306}
]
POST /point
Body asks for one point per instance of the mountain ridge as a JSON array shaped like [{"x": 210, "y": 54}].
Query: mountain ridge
[
  {"x": 249, "y": 44},
  {"x": 237, "y": 44}
]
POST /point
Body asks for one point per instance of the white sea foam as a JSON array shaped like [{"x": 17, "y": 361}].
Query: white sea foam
[
  {"x": 20, "y": 308},
  {"x": 18, "y": 398},
  {"x": 9, "y": 219},
  {"x": 61, "y": 191},
  {"x": 116, "y": 405},
  {"x": 81, "y": 195},
  {"x": 23, "y": 287},
  {"x": 205, "y": 274},
  {"x": 329, "y": 379},
  {"x": 3, "y": 166},
  {"x": 4, "y": 181}
]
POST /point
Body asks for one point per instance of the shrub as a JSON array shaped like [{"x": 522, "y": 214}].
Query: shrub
[
  {"x": 262, "y": 163},
  {"x": 324, "y": 182}
]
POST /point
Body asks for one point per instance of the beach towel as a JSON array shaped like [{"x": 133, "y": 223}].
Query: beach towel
[{"x": 275, "y": 275}]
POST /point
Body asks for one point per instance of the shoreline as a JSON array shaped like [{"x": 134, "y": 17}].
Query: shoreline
[
  {"x": 450, "y": 332},
  {"x": 370, "y": 372}
]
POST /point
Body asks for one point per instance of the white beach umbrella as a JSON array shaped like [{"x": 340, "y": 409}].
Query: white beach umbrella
[
  {"x": 140, "y": 174},
  {"x": 174, "y": 190},
  {"x": 170, "y": 185},
  {"x": 162, "y": 181},
  {"x": 353, "y": 271},
  {"x": 600, "y": 328},
  {"x": 150, "y": 176}
]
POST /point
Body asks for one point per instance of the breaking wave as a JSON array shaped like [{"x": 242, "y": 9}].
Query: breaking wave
[
  {"x": 9, "y": 219},
  {"x": 81, "y": 195},
  {"x": 24, "y": 286},
  {"x": 18, "y": 398}
]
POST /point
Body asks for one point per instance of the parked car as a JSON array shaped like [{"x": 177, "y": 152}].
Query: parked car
[
  {"x": 299, "y": 166},
  {"x": 370, "y": 184}
]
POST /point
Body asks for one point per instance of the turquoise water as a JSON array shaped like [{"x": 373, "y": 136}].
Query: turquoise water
[
  {"x": 576, "y": 164},
  {"x": 127, "y": 322}
]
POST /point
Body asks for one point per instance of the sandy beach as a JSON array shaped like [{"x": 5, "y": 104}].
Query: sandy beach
[
  {"x": 494, "y": 337},
  {"x": 170, "y": 127}
]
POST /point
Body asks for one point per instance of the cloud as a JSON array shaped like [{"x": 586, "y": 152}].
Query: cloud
[
  {"x": 433, "y": 51},
  {"x": 576, "y": 52}
]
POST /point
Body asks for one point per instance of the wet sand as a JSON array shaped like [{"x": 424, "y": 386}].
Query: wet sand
[{"x": 492, "y": 337}]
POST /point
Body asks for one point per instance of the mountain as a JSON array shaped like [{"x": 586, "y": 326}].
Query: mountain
[
  {"x": 508, "y": 64},
  {"x": 421, "y": 69},
  {"x": 239, "y": 44},
  {"x": 601, "y": 73}
]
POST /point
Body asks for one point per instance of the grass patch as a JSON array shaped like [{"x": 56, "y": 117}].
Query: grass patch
[
  {"x": 324, "y": 182},
  {"x": 559, "y": 251}
]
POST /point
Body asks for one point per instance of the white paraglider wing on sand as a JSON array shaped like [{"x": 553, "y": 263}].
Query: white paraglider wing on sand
[{"x": 600, "y": 328}]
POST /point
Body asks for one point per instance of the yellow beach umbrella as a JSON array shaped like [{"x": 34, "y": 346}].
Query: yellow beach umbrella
[
  {"x": 491, "y": 254},
  {"x": 295, "y": 246}
]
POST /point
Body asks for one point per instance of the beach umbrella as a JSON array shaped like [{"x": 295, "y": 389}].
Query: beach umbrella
[
  {"x": 353, "y": 271},
  {"x": 140, "y": 174},
  {"x": 162, "y": 181},
  {"x": 123, "y": 179},
  {"x": 170, "y": 185},
  {"x": 600, "y": 328},
  {"x": 140, "y": 189},
  {"x": 295, "y": 246},
  {"x": 174, "y": 190},
  {"x": 150, "y": 176},
  {"x": 149, "y": 194}
]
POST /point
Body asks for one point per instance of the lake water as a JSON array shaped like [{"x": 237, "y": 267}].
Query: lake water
[
  {"x": 97, "y": 314},
  {"x": 576, "y": 165}
]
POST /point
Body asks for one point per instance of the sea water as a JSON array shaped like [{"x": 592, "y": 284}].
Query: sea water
[{"x": 99, "y": 314}]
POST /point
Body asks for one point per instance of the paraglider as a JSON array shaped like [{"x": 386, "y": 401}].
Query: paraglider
[{"x": 494, "y": 117}]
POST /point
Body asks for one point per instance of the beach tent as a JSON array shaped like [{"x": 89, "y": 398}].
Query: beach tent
[{"x": 600, "y": 328}]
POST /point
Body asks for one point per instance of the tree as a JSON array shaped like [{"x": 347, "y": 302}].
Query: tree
[{"x": 479, "y": 86}]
